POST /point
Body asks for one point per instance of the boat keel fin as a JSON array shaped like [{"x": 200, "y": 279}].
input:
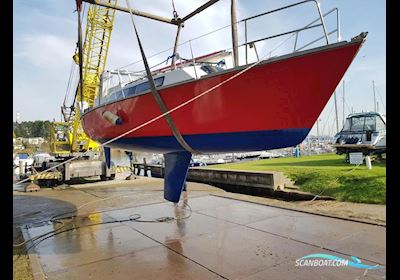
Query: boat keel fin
[{"x": 176, "y": 169}]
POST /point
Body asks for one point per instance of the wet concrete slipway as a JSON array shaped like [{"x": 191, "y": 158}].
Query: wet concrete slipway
[{"x": 206, "y": 236}]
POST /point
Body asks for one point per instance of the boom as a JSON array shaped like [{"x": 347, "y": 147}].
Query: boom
[{"x": 99, "y": 27}]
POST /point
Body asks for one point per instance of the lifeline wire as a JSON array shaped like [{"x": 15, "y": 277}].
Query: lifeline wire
[
  {"x": 203, "y": 35},
  {"x": 162, "y": 115}
]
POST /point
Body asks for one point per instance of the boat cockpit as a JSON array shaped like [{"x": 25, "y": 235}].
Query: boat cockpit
[{"x": 162, "y": 78}]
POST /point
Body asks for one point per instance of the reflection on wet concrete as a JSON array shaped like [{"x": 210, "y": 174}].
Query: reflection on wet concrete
[
  {"x": 180, "y": 221},
  {"x": 221, "y": 239},
  {"x": 31, "y": 209},
  {"x": 179, "y": 232}
]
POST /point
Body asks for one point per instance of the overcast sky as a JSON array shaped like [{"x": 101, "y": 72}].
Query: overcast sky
[{"x": 45, "y": 33}]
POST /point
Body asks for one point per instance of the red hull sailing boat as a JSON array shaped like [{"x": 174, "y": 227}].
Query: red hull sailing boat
[{"x": 269, "y": 106}]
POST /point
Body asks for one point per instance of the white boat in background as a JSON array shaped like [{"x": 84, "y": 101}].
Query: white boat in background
[
  {"x": 25, "y": 158},
  {"x": 362, "y": 132}
]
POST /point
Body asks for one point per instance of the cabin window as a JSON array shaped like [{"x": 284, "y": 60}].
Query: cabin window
[
  {"x": 363, "y": 123},
  {"x": 159, "y": 81},
  {"x": 118, "y": 95},
  {"x": 357, "y": 124},
  {"x": 369, "y": 123},
  {"x": 111, "y": 97},
  {"x": 142, "y": 87},
  {"x": 130, "y": 91},
  {"x": 209, "y": 69},
  {"x": 146, "y": 86},
  {"x": 347, "y": 125},
  {"x": 380, "y": 125}
]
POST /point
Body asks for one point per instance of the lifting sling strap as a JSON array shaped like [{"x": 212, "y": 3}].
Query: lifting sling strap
[{"x": 156, "y": 95}]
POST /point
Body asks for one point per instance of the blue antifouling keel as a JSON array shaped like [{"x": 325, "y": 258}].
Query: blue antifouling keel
[
  {"x": 107, "y": 155},
  {"x": 176, "y": 169}
]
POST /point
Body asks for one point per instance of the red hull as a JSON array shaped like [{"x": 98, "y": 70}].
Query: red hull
[{"x": 288, "y": 93}]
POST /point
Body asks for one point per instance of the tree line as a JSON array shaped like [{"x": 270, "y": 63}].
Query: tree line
[{"x": 29, "y": 129}]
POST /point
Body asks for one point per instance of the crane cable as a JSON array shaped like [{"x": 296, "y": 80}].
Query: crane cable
[
  {"x": 80, "y": 52},
  {"x": 70, "y": 80},
  {"x": 175, "y": 13},
  {"x": 72, "y": 107},
  {"x": 156, "y": 94}
]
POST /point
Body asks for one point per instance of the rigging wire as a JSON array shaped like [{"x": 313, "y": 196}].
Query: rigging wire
[
  {"x": 380, "y": 97},
  {"x": 345, "y": 103},
  {"x": 169, "y": 49},
  {"x": 199, "y": 37},
  {"x": 332, "y": 130},
  {"x": 327, "y": 119}
]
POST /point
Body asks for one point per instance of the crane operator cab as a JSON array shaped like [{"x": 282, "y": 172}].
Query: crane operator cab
[{"x": 59, "y": 138}]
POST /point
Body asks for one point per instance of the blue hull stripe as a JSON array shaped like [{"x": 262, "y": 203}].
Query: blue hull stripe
[{"x": 216, "y": 143}]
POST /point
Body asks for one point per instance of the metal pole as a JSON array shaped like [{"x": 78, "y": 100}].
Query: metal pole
[
  {"x": 336, "y": 112},
  {"x": 193, "y": 60},
  {"x": 135, "y": 12},
  {"x": 318, "y": 131},
  {"x": 322, "y": 22},
  {"x": 255, "y": 49},
  {"x": 339, "y": 38},
  {"x": 245, "y": 38},
  {"x": 295, "y": 41},
  {"x": 373, "y": 88},
  {"x": 234, "y": 34},
  {"x": 343, "y": 103},
  {"x": 176, "y": 44},
  {"x": 199, "y": 9}
]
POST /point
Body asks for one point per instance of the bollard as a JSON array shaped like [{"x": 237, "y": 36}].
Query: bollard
[
  {"x": 368, "y": 162},
  {"x": 145, "y": 169},
  {"x": 21, "y": 168}
]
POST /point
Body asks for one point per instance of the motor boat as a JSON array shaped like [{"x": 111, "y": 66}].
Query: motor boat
[{"x": 362, "y": 132}]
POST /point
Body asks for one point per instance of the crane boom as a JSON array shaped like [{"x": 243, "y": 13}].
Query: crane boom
[
  {"x": 99, "y": 26},
  {"x": 67, "y": 139}
]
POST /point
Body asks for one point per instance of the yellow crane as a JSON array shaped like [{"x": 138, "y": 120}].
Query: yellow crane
[{"x": 68, "y": 137}]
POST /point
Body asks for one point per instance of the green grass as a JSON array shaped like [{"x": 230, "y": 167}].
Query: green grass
[{"x": 327, "y": 173}]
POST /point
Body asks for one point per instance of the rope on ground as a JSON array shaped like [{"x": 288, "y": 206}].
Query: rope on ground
[
  {"x": 132, "y": 218},
  {"x": 334, "y": 181}
]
